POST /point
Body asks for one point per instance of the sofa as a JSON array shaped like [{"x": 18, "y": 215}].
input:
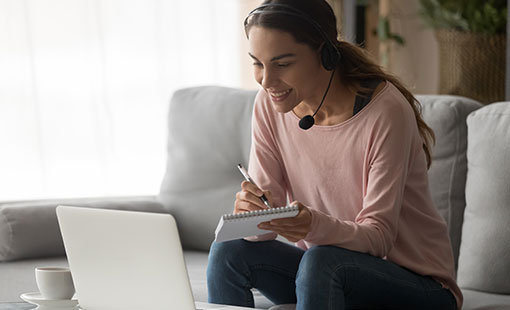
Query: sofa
[{"x": 209, "y": 133}]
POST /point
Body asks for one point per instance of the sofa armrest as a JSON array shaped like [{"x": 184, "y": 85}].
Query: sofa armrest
[{"x": 29, "y": 229}]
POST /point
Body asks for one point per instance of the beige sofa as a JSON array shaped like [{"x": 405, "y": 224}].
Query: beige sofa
[{"x": 209, "y": 133}]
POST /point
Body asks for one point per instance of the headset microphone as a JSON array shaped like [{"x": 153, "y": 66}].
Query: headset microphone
[{"x": 308, "y": 121}]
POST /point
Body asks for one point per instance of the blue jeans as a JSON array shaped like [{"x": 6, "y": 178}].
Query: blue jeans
[{"x": 323, "y": 277}]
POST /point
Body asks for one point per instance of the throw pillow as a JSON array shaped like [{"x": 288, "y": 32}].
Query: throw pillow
[{"x": 484, "y": 261}]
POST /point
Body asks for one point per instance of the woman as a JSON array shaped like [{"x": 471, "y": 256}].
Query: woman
[{"x": 367, "y": 234}]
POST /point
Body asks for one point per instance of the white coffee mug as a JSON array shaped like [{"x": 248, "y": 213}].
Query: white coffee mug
[{"x": 54, "y": 282}]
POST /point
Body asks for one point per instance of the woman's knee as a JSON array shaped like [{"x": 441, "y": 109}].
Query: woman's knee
[
  {"x": 225, "y": 256},
  {"x": 223, "y": 252},
  {"x": 319, "y": 263}
]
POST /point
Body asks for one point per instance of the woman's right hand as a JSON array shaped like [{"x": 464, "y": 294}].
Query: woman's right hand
[{"x": 248, "y": 199}]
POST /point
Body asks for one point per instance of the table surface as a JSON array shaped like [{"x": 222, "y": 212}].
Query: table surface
[
  {"x": 16, "y": 306},
  {"x": 26, "y": 306}
]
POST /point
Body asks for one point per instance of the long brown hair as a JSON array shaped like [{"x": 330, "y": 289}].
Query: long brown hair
[{"x": 355, "y": 64}]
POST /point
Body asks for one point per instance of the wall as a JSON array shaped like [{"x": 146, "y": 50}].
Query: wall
[
  {"x": 247, "y": 80},
  {"x": 417, "y": 62}
]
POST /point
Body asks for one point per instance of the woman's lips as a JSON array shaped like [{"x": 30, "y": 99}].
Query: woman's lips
[{"x": 280, "y": 96}]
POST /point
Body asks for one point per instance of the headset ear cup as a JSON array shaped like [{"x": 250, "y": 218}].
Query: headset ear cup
[{"x": 329, "y": 56}]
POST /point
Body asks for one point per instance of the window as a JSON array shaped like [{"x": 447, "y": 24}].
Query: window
[{"x": 84, "y": 89}]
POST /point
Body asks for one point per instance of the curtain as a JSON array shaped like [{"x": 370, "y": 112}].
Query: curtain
[{"x": 85, "y": 84}]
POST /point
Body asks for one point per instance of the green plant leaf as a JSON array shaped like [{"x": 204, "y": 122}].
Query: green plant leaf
[
  {"x": 384, "y": 33},
  {"x": 383, "y": 29},
  {"x": 398, "y": 39},
  {"x": 485, "y": 16}
]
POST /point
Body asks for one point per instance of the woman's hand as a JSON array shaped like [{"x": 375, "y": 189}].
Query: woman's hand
[
  {"x": 248, "y": 199},
  {"x": 292, "y": 228}
]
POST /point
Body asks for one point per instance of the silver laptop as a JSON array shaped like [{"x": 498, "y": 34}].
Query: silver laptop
[{"x": 126, "y": 260}]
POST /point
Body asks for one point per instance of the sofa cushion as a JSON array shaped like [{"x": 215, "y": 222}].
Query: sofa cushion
[
  {"x": 484, "y": 261},
  {"x": 30, "y": 229},
  {"x": 474, "y": 300},
  {"x": 446, "y": 115},
  {"x": 209, "y": 133}
]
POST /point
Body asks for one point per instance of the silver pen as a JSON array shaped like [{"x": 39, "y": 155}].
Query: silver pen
[{"x": 249, "y": 179}]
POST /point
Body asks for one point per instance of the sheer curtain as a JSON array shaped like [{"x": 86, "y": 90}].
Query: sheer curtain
[{"x": 84, "y": 88}]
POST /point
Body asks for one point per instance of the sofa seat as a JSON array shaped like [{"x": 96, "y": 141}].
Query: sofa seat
[{"x": 474, "y": 300}]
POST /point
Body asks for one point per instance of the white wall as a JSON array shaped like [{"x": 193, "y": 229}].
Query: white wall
[{"x": 417, "y": 62}]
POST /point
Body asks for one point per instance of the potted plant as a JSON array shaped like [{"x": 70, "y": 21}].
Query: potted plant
[{"x": 471, "y": 36}]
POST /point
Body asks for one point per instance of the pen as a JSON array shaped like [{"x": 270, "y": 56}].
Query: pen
[{"x": 249, "y": 179}]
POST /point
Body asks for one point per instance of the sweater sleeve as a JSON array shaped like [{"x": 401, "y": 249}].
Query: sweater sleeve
[
  {"x": 265, "y": 159},
  {"x": 375, "y": 227}
]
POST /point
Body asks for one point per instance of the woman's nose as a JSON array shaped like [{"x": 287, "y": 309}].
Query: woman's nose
[{"x": 269, "y": 79}]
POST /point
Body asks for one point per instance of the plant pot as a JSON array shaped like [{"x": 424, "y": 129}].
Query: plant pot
[{"x": 472, "y": 65}]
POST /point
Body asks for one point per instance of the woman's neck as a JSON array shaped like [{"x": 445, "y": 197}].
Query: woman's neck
[{"x": 337, "y": 107}]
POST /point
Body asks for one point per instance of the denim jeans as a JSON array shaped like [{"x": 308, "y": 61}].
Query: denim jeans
[{"x": 323, "y": 277}]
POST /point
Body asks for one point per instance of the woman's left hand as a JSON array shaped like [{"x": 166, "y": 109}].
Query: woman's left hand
[{"x": 291, "y": 228}]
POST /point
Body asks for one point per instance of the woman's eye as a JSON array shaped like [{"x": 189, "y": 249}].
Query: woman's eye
[
  {"x": 257, "y": 64},
  {"x": 283, "y": 65}
]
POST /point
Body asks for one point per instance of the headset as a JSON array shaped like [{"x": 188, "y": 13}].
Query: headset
[{"x": 329, "y": 53}]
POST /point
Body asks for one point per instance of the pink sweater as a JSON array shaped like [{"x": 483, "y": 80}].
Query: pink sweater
[{"x": 364, "y": 181}]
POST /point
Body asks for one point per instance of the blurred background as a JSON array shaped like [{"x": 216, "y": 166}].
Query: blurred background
[{"x": 85, "y": 84}]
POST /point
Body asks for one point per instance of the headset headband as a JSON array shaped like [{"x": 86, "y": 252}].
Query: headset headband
[{"x": 288, "y": 10}]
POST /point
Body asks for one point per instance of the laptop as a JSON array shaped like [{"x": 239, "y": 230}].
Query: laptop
[{"x": 126, "y": 260}]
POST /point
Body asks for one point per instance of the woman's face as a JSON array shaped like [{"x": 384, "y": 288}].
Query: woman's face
[{"x": 289, "y": 72}]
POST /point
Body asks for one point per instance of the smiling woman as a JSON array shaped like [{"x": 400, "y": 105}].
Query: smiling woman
[
  {"x": 84, "y": 88},
  {"x": 335, "y": 135}
]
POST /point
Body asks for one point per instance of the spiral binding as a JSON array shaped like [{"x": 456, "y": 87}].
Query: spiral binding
[{"x": 250, "y": 214}]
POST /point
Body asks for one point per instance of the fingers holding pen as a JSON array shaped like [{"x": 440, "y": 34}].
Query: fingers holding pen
[
  {"x": 246, "y": 201},
  {"x": 251, "y": 188},
  {"x": 249, "y": 198},
  {"x": 258, "y": 194}
]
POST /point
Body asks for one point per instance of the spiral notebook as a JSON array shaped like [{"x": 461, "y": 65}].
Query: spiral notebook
[{"x": 241, "y": 225}]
